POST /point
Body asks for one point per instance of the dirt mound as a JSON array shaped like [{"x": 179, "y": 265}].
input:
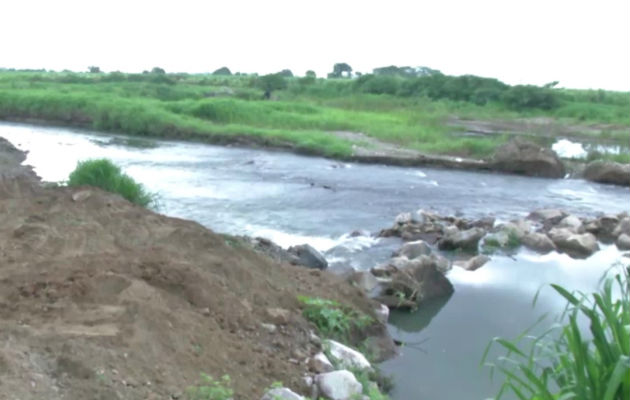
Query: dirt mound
[{"x": 100, "y": 299}]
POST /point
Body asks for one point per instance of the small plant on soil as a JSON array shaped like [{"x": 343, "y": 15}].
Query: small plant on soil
[
  {"x": 211, "y": 389},
  {"x": 332, "y": 319},
  {"x": 567, "y": 363},
  {"x": 106, "y": 175}
]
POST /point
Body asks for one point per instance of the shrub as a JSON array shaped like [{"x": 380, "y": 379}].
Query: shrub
[
  {"x": 524, "y": 97},
  {"x": 566, "y": 363},
  {"x": 104, "y": 174},
  {"x": 331, "y": 318},
  {"x": 211, "y": 389}
]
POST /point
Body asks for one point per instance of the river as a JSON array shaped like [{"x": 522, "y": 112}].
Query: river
[{"x": 294, "y": 199}]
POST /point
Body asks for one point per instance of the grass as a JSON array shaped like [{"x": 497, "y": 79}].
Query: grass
[
  {"x": 104, "y": 174},
  {"x": 332, "y": 319},
  {"x": 228, "y": 109},
  {"x": 566, "y": 362},
  {"x": 209, "y": 388}
]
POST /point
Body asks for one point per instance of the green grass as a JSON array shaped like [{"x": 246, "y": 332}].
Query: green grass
[
  {"x": 104, "y": 174},
  {"x": 229, "y": 109},
  {"x": 209, "y": 388},
  {"x": 332, "y": 319},
  {"x": 567, "y": 362}
]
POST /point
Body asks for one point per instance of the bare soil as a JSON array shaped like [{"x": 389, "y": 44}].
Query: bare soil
[{"x": 101, "y": 299}]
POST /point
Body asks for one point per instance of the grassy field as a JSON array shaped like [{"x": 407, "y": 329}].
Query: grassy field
[{"x": 303, "y": 112}]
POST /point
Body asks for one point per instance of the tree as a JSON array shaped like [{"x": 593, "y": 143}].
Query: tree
[
  {"x": 341, "y": 70},
  {"x": 222, "y": 71},
  {"x": 94, "y": 69},
  {"x": 158, "y": 71},
  {"x": 286, "y": 73},
  {"x": 311, "y": 74},
  {"x": 271, "y": 82}
]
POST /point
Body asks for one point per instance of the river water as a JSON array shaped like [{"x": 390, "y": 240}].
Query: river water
[{"x": 294, "y": 199}]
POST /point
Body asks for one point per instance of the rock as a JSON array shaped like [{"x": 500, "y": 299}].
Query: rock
[
  {"x": 382, "y": 313},
  {"x": 575, "y": 245},
  {"x": 412, "y": 250},
  {"x": 608, "y": 172},
  {"x": 364, "y": 280},
  {"x": 320, "y": 364},
  {"x": 278, "y": 316},
  {"x": 345, "y": 357},
  {"x": 538, "y": 242},
  {"x": 281, "y": 394},
  {"x": 466, "y": 240},
  {"x": 473, "y": 263},
  {"x": 442, "y": 264},
  {"x": 571, "y": 222},
  {"x": 547, "y": 215},
  {"x": 386, "y": 268},
  {"x": 81, "y": 195},
  {"x": 308, "y": 256},
  {"x": 522, "y": 157},
  {"x": 403, "y": 218},
  {"x": 622, "y": 227},
  {"x": 486, "y": 223},
  {"x": 271, "y": 328},
  {"x": 417, "y": 281},
  {"x": 338, "y": 385},
  {"x": 623, "y": 242},
  {"x": 607, "y": 225}
]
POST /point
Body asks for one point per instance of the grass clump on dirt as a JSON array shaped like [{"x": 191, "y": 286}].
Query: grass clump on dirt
[
  {"x": 104, "y": 174},
  {"x": 332, "y": 319},
  {"x": 567, "y": 363},
  {"x": 209, "y": 388}
]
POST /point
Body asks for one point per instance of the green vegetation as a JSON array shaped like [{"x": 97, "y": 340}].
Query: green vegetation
[
  {"x": 332, "y": 319},
  {"x": 210, "y": 389},
  {"x": 104, "y": 174},
  {"x": 567, "y": 363},
  {"x": 407, "y": 106},
  {"x": 506, "y": 240}
]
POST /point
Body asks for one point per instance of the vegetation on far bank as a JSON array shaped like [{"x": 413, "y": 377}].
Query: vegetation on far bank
[{"x": 409, "y": 107}]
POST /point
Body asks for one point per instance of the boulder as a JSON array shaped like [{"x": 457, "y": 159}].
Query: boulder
[
  {"x": 364, "y": 280},
  {"x": 547, "y": 215},
  {"x": 320, "y": 364},
  {"x": 281, "y": 393},
  {"x": 522, "y": 157},
  {"x": 571, "y": 222},
  {"x": 606, "y": 228},
  {"x": 413, "y": 250},
  {"x": 519, "y": 227},
  {"x": 382, "y": 313},
  {"x": 486, "y": 223},
  {"x": 308, "y": 256},
  {"x": 474, "y": 263},
  {"x": 575, "y": 245},
  {"x": 623, "y": 242},
  {"x": 465, "y": 240},
  {"x": 403, "y": 218},
  {"x": 608, "y": 172},
  {"x": 538, "y": 242},
  {"x": 622, "y": 227},
  {"x": 338, "y": 385},
  {"x": 345, "y": 357}
]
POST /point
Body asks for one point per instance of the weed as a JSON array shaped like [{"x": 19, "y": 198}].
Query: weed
[
  {"x": 332, "y": 319},
  {"x": 211, "y": 389},
  {"x": 567, "y": 363},
  {"x": 104, "y": 174}
]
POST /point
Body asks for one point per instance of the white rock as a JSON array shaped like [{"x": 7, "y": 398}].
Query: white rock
[
  {"x": 572, "y": 223},
  {"x": 282, "y": 394},
  {"x": 413, "y": 250},
  {"x": 382, "y": 313},
  {"x": 347, "y": 357},
  {"x": 338, "y": 385}
]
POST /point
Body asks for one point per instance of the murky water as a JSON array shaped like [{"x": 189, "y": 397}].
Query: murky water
[{"x": 294, "y": 199}]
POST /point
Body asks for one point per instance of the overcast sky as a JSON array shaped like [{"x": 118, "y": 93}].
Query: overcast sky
[{"x": 582, "y": 44}]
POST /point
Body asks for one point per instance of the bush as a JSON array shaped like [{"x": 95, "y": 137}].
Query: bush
[
  {"x": 566, "y": 363},
  {"x": 104, "y": 174},
  {"x": 211, "y": 389},
  {"x": 524, "y": 97},
  {"x": 332, "y": 319}
]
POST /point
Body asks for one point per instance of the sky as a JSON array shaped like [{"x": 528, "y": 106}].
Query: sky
[{"x": 581, "y": 44}]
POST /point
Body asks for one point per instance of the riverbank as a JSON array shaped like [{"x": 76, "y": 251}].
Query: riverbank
[
  {"x": 101, "y": 298},
  {"x": 328, "y": 118}
]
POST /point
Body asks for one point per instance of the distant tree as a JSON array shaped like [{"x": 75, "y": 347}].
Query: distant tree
[
  {"x": 406, "y": 72},
  {"x": 341, "y": 70},
  {"x": 158, "y": 71},
  {"x": 311, "y": 74},
  {"x": 222, "y": 71},
  {"x": 271, "y": 82},
  {"x": 286, "y": 73},
  {"x": 94, "y": 69},
  {"x": 551, "y": 85}
]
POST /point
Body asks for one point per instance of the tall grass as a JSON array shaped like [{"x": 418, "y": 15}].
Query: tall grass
[
  {"x": 567, "y": 362},
  {"x": 106, "y": 175}
]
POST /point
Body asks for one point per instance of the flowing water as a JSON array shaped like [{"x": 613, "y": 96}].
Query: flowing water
[{"x": 293, "y": 199}]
